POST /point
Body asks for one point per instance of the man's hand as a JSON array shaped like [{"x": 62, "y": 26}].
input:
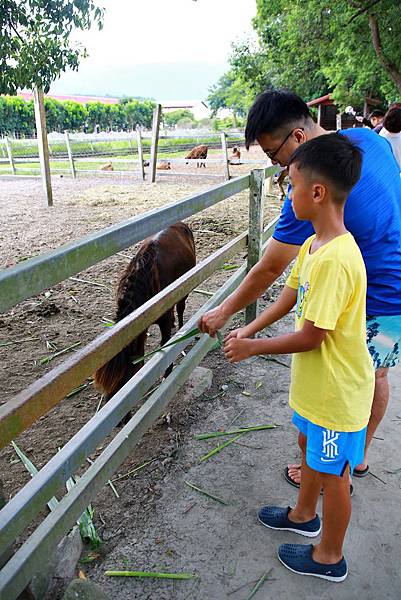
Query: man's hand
[
  {"x": 237, "y": 349},
  {"x": 211, "y": 321}
]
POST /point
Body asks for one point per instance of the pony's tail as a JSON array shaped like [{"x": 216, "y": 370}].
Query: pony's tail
[{"x": 115, "y": 373}]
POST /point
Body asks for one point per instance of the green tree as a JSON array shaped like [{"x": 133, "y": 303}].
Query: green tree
[
  {"x": 349, "y": 47},
  {"x": 171, "y": 119},
  {"x": 35, "y": 45},
  {"x": 231, "y": 92}
]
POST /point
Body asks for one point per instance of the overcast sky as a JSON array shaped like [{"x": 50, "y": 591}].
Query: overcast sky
[{"x": 167, "y": 49}]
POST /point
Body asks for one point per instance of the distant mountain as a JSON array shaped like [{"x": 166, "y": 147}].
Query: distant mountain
[{"x": 157, "y": 80}]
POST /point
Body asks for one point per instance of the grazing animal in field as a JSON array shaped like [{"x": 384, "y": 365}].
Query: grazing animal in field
[
  {"x": 235, "y": 156},
  {"x": 199, "y": 153},
  {"x": 160, "y": 260},
  {"x": 280, "y": 181},
  {"x": 107, "y": 167},
  {"x": 163, "y": 166}
]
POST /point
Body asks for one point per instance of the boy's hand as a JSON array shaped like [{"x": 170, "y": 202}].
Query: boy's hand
[
  {"x": 237, "y": 349},
  {"x": 239, "y": 333}
]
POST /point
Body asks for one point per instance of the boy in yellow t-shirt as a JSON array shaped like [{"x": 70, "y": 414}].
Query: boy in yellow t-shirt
[{"x": 332, "y": 378}]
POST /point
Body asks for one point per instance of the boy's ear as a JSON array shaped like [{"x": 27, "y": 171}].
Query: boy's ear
[{"x": 319, "y": 193}]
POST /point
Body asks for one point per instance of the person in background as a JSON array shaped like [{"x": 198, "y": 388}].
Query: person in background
[
  {"x": 391, "y": 130},
  {"x": 376, "y": 118}
]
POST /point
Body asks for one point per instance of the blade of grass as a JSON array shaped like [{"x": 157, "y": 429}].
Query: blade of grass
[
  {"x": 32, "y": 470},
  {"x": 204, "y": 292},
  {"x": 205, "y": 493},
  {"x": 206, "y": 436},
  {"x": 110, "y": 483},
  {"x": 145, "y": 464},
  {"x": 4, "y": 344},
  {"x": 259, "y": 584},
  {"x": 219, "y": 448},
  {"x": 78, "y": 389},
  {"x": 155, "y": 574},
  {"x": 102, "y": 285},
  {"x": 184, "y": 337},
  {"x": 85, "y": 522},
  {"x": 46, "y": 359}
]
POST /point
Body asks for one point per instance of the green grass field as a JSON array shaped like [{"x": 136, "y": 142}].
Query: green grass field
[
  {"x": 59, "y": 166},
  {"x": 26, "y": 148}
]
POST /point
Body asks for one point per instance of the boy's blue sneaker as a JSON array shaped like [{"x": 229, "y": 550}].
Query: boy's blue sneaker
[
  {"x": 298, "y": 558},
  {"x": 276, "y": 517}
]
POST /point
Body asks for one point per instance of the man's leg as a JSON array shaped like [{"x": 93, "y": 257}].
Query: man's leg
[
  {"x": 305, "y": 509},
  {"x": 379, "y": 406},
  {"x": 336, "y": 517}
]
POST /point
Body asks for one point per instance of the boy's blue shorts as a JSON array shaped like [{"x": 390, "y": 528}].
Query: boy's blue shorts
[{"x": 329, "y": 451}]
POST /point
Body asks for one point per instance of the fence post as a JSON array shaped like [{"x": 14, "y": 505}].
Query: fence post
[
  {"x": 10, "y": 154},
  {"x": 8, "y": 553},
  {"x": 140, "y": 154},
  {"x": 70, "y": 156},
  {"x": 256, "y": 196},
  {"x": 155, "y": 140},
  {"x": 43, "y": 147},
  {"x": 225, "y": 155}
]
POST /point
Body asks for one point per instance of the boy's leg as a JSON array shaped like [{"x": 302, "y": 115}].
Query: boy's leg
[
  {"x": 336, "y": 516},
  {"x": 309, "y": 492}
]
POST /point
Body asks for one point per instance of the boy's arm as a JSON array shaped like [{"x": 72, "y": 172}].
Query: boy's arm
[
  {"x": 275, "y": 260},
  {"x": 307, "y": 338},
  {"x": 281, "y": 307}
]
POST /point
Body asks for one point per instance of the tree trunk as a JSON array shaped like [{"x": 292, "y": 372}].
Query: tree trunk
[{"x": 390, "y": 67}]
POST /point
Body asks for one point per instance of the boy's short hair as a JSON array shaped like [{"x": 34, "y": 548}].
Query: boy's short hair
[
  {"x": 333, "y": 157},
  {"x": 392, "y": 120},
  {"x": 376, "y": 113},
  {"x": 274, "y": 110}
]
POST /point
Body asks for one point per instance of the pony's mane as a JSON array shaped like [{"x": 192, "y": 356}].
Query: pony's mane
[{"x": 140, "y": 280}]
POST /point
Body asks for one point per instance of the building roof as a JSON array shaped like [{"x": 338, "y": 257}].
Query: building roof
[
  {"x": 324, "y": 100},
  {"x": 182, "y": 103},
  {"x": 81, "y": 99}
]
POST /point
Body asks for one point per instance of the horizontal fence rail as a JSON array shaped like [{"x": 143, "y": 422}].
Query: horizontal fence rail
[
  {"x": 39, "y": 273},
  {"x": 25, "y": 408}
]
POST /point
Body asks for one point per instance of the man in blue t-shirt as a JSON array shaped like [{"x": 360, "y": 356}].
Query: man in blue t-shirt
[{"x": 280, "y": 121}]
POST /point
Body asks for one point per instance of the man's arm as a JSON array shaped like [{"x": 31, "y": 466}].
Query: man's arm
[
  {"x": 307, "y": 338},
  {"x": 274, "y": 261},
  {"x": 273, "y": 313}
]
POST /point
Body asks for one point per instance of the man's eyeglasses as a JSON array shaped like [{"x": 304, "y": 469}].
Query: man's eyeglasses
[{"x": 272, "y": 155}]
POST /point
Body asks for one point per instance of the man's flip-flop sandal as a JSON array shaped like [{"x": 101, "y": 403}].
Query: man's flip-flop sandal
[
  {"x": 360, "y": 472},
  {"x": 291, "y": 481}
]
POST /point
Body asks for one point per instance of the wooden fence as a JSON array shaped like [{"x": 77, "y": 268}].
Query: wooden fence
[
  {"x": 74, "y": 161},
  {"x": 34, "y": 275}
]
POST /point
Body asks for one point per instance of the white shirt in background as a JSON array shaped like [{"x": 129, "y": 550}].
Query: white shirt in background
[{"x": 395, "y": 141}]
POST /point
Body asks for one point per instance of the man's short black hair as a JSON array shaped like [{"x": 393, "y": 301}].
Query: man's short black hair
[
  {"x": 392, "y": 120},
  {"x": 377, "y": 112},
  {"x": 274, "y": 110},
  {"x": 334, "y": 158}
]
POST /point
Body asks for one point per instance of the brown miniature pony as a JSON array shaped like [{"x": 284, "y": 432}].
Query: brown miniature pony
[{"x": 160, "y": 260}]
